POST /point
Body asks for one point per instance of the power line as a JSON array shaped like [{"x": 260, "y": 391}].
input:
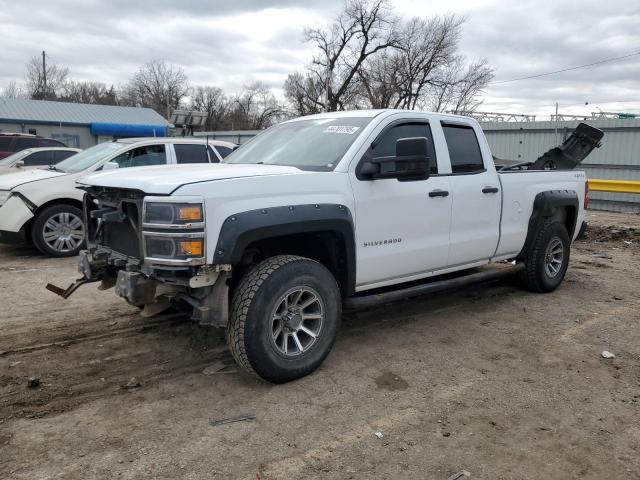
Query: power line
[{"x": 606, "y": 60}]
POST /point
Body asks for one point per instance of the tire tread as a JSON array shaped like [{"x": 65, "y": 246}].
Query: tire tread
[{"x": 242, "y": 298}]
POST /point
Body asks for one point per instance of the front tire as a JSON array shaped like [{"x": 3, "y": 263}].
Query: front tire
[
  {"x": 58, "y": 231},
  {"x": 284, "y": 317},
  {"x": 547, "y": 258}
]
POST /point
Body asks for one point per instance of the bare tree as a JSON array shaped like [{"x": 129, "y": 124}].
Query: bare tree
[
  {"x": 404, "y": 76},
  {"x": 363, "y": 28},
  {"x": 214, "y": 102},
  {"x": 256, "y": 108},
  {"x": 380, "y": 80},
  {"x": 305, "y": 93},
  {"x": 88, "y": 92},
  {"x": 458, "y": 88},
  {"x": 157, "y": 85},
  {"x": 13, "y": 90},
  {"x": 43, "y": 82}
]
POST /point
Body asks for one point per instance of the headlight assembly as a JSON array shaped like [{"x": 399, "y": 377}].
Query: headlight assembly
[
  {"x": 174, "y": 230},
  {"x": 174, "y": 246},
  {"x": 159, "y": 213}
]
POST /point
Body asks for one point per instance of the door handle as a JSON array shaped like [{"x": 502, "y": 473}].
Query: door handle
[
  {"x": 438, "y": 193},
  {"x": 490, "y": 190}
]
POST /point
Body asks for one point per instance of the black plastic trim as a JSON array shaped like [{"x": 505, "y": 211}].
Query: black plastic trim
[
  {"x": 240, "y": 230},
  {"x": 545, "y": 205}
]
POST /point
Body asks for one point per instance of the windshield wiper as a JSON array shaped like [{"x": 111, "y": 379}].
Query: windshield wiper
[{"x": 56, "y": 169}]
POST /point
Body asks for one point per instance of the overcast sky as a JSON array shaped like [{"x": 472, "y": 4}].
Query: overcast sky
[{"x": 230, "y": 43}]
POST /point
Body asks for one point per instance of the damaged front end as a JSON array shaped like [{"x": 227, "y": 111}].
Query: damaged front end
[{"x": 152, "y": 250}]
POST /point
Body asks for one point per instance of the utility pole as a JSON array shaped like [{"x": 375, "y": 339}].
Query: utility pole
[
  {"x": 44, "y": 75},
  {"x": 556, "y": 129}
]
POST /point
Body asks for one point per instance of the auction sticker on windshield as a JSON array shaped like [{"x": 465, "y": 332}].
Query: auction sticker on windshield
[{"x": 341, "y": 129}]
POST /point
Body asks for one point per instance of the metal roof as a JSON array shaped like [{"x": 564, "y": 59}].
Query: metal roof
[{"x": 42, "y": 111}]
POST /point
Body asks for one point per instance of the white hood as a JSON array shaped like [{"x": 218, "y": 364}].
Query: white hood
[
  {"x": 165, "y": 179},
  {"x": 20, "y": 177}
]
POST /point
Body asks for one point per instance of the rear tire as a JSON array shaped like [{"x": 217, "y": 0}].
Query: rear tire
[
  {"x": 58, "y": 231},
  {"x": 284, "y": 317},
  {"x": 547, "y": 258}
]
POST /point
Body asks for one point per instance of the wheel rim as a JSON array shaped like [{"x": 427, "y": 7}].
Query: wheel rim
[
  {"x": 63, "y": 232},
  {"x": 554, "y": 257},
  {"x": 296, "y": 321}
]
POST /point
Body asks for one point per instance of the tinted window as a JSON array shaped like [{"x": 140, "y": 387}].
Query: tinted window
[
  {"x": 223, "y": 151},
  {"x": 47, "y": 142},
  {"x": 386, "y": 144},
  {"x": 38, "y": 158},
  {"x": 60, "y": 155},
  {"x": 66, "y": 139},
  {"x": 142, "y": 156},
  {"x": 5, "y": 144},
  {"x": 26, "y": 142},
  {"x": 464, "y": 150},
  {"x": 186, "y": 153}
]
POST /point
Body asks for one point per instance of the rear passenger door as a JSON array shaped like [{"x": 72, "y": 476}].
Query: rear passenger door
[{"x": 475, "y": 191}]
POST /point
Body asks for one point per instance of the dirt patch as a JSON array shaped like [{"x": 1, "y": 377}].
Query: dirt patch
[
  {"x": 612, "y": 233},
  {"x": 491, "y": 379},
  {"x": 391, "y": 381}
]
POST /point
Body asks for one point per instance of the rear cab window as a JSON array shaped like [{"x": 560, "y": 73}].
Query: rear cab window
[{"x": 464, "y": 149}]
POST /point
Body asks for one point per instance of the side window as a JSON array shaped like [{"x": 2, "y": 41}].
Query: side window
[
  {"x": 386, "y": 144},
  {"x": 142, "y": 157},
  {"x": 67, "y": 139},
  {"x": 26, "y": 142},
  {"x": 191, "y": 153},
  {"x": 5, "y": 144},
  {"x": 60, "y": 155},
  {"x": 223, "y": 151},
  {"x": 38, "y": 158},
  {"x": 47, "y": 142},
  {"x": 464, "y": 149}
]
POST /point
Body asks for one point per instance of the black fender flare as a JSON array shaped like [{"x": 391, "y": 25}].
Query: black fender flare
[
  {"x": 240, "y": 230},
  {"x": 545, "y": 205}
]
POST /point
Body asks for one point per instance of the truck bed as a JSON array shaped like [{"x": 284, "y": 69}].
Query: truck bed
[{"x": 519, "y": 190}]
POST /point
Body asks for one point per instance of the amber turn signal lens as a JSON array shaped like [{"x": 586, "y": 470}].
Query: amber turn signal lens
[
  {"x": 191, "y": 248},
  {"x": 190, "y": 213}
]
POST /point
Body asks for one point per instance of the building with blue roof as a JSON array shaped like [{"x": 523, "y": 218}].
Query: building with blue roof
[{"x": 77, "y": 124}]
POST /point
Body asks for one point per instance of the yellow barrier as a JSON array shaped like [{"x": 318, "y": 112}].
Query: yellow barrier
[{"x": 618, "y": 186}]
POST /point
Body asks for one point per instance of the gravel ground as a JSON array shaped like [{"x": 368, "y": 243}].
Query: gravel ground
[{"x": 491, "y": 379}]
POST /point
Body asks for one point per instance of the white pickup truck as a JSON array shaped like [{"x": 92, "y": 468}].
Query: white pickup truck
[{"x": 348, "y": 208}]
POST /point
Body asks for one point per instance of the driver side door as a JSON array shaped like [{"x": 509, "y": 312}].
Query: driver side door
[{"x": 402, "y": 228}]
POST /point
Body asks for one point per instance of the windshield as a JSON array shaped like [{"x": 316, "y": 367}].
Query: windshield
[
  {"x": 11, "y": 159},
  {"x": 89, "y": 157},
  {"x": 315, "y": 144}
]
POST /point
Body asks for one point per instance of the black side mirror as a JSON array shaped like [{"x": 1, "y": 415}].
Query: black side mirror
[{"x": 411, "y": 162}]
